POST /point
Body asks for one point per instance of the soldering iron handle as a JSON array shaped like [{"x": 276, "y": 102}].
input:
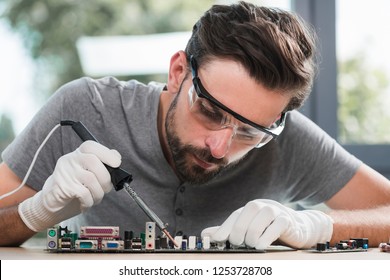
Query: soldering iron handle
[
  {"x": 118, "y": 175},
  {"x": 83, "y": 132}
]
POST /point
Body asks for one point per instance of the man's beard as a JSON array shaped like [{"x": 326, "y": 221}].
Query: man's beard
[{"x": 181, "y": 154}]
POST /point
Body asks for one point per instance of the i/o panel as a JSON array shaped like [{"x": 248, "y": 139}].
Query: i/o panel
[{"x": 105, "y": 232}]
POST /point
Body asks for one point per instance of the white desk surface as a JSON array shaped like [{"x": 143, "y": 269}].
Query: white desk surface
[{"x": 39, "y": 253}]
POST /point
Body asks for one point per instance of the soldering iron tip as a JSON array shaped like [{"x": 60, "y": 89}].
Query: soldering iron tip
[{"x": 170, "y": 237}]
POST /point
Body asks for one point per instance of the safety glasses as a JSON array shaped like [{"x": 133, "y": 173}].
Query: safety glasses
[{"x": 216, "y": 116}]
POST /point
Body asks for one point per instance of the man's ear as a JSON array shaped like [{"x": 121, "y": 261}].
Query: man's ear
[{"x": 178, "y": 69}]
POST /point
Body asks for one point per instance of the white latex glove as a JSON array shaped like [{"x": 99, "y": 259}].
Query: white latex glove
[
  {"x": 79, "y": 181},
  {"x": 263, "y": 221}
]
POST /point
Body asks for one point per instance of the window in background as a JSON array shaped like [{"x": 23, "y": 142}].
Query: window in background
[{"x": 363, "y": 60}]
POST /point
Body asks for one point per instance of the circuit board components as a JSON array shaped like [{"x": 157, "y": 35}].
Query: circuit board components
[
  {"x": 384, "y": 247},
  {"x": 350, "y": 245},
  {"x": 101, "y": 239}
]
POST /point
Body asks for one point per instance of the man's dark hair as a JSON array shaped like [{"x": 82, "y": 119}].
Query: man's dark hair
[{"x": 276, "y": 47}]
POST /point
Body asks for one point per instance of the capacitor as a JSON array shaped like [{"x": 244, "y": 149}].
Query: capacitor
[
  {"x": 178, "y": 239},
  {"x": 164, "y": 242},
  {"x": 206, "y": 242},
  {"x": 199, "y": 244},
  {"x": 192, "y": 242},
  {"x": 184, "y": 244},
  {"x": 321, "y": 247}
]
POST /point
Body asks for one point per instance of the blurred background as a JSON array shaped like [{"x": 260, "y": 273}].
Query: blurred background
[{"x": 46, "y": 43}]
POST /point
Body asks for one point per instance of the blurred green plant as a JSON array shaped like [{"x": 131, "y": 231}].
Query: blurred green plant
[{"x": 363, "y": 102}]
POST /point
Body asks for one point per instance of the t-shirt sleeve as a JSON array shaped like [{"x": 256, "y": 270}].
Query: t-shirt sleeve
[{"x": 319, "y": 166}]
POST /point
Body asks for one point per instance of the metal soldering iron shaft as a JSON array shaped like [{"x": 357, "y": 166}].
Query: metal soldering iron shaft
[
  {"x": 143, "y": 206},
  {"x": 149, "y": 212}
]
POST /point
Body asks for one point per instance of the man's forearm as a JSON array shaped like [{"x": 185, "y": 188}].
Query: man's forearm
[
  {"x": 13, "y": 231},
  {"x": 373, "y": 224}
]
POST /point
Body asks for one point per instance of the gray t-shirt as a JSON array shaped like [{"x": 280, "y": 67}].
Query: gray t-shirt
[{"x": 303, "y": 165}]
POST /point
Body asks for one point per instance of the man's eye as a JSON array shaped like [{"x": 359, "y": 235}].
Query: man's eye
[
  {"x": 246, "y": 134},
  {"x": 210, "y": 112},
  {"x": 250, "y": 132},
  {"x": 245, "y": 137}
]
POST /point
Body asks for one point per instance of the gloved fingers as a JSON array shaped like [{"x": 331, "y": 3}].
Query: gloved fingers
[
  {"x": 210, "y": 231},
  {"x": 240, "y": 228},
  {"x": 264, "y": 218},
  {"x": 221, "y": 233},
  {"x": 84, "y": 178},
  {"x": 272, "y": 232},
  {"x": 89, "y": 189},
  {"x": 56, "y": 197},
  {"x": 53, "y": 200},
  {"x": 91, "y": 168},
  {"x": 104, "y": 154},
  {"x": 271, "y": 202}
]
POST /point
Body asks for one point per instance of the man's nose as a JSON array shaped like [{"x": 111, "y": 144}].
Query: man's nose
[{"x": 219, "y": 141}]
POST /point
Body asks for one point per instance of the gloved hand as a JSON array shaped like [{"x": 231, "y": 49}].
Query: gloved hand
[
  {"x": 263, "y": 221},
  {"x": 79, "y": 181}
]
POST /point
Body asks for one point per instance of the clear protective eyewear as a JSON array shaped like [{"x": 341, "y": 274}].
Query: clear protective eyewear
[{"x": 216, "y": 116}]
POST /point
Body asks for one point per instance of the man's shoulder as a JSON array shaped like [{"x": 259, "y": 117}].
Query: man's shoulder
[
  {"x": 110, "y": 82},
  {"x": 93, "y": 84},
  {"x": 298, "y": 122},
  {"x": 87, "y": 88}
]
